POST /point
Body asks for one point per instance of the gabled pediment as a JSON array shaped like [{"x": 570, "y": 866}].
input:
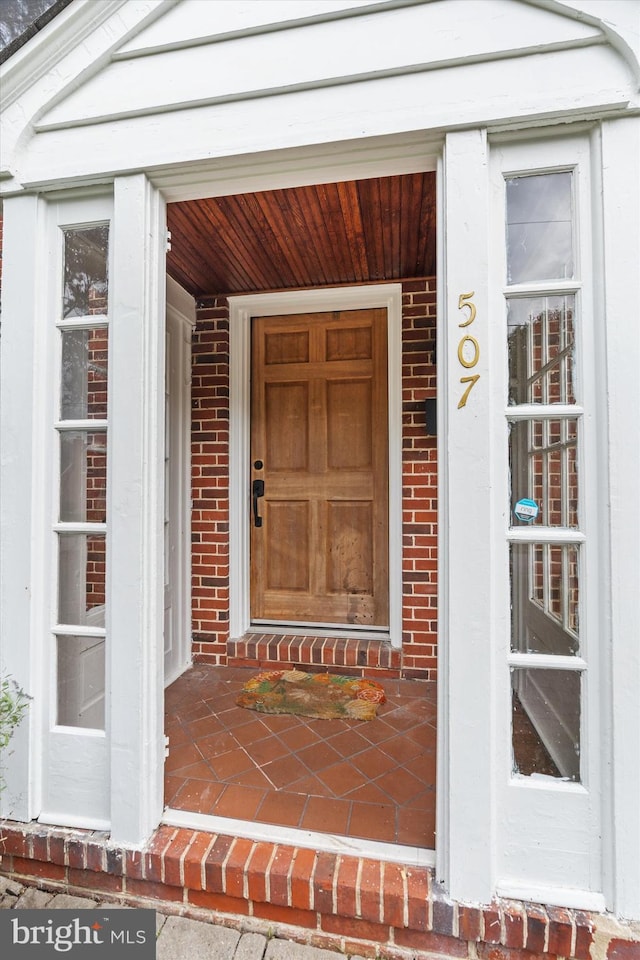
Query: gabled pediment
[
  {"x": 242, "y": 51},
  {"x": 139, "y": 84}
]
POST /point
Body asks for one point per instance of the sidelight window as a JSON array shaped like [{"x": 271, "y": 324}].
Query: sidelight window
[
  {"x": 81, "y": 428},
  {"x": 545, "y": 421}
]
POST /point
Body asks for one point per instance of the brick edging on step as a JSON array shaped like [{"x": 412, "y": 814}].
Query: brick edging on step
[
  {"x": 381, "y": 907},
  {"x": 355, "y": 655}
]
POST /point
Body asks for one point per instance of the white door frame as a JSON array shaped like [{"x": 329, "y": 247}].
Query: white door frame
[
  {"x": 242, "y": 308},
  {"x": 181, "y": 318}
]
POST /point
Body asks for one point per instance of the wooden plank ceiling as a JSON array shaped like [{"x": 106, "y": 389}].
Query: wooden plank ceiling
[{"x": 327, "y": 234}]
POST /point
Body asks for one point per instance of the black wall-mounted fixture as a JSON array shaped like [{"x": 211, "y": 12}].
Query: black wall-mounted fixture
[{"x": 431, "y": 416}]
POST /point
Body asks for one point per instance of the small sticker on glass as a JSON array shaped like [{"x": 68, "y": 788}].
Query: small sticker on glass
[{"x": 526, "y": 510}]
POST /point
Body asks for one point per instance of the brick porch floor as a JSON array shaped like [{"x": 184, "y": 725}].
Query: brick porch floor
[{"x": 369, "y": 779}]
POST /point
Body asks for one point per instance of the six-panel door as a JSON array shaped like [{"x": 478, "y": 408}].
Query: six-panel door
[{"x": 319, "y": 542}]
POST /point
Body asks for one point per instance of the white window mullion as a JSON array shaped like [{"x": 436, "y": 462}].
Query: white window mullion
[
  {"x": 555, "y": 662},
  {"x": 68, "y": 629},
  {"x": 95, "y": 426},
  {"x": 558, "y": 535}
]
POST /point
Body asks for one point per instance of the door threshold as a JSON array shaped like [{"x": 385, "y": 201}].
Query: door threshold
[
  {"x": 339, "y": 631},
  {"x": 293, "y": 836}
]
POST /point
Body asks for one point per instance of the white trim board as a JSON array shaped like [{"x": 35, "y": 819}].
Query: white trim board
[{"x": 241, "y": 309}]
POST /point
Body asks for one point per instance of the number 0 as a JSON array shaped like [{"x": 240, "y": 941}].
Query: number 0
[{"x": 476, "y": 352}]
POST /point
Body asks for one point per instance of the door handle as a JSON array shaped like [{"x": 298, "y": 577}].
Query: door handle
[{"x": 257, "y": 490}]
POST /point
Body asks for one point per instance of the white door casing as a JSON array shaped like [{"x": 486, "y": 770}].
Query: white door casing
[
  {"x": 177, "y": 542},
  {"x": 242, "y": 308}
]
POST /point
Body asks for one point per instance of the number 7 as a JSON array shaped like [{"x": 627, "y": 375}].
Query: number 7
[{"x": 471, "y": 381}]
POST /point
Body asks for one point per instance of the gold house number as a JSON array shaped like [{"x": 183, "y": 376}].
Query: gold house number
[{"x": 468, "y": 348}]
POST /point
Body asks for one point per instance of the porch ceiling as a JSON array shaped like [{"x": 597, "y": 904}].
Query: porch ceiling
[{"x": 359, "y": 231}]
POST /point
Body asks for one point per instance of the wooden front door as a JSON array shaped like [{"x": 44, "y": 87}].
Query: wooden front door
[{"x": 319, "y": 457}]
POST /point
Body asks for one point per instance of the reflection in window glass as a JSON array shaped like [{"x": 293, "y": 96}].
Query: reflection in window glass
[
  {"x": 546, "y": 722},
  {"x": 81, "y": 682},
  {"x": 539, "y": 228},
  {"x": 544, "y": 468},
  {"x": 81, "y": 573},
  {"x": 541, "y": 349},
  {"x": 545, "y": 598},
  {"x": 83, "y": 477},
  {"x": 86, "y": 271},
  {"x": 84, "y": 374}
]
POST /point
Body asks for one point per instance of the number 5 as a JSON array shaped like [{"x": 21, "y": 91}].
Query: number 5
[{"x": 472, "y": 307}]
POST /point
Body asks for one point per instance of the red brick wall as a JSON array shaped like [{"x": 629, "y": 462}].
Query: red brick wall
[
  {"x": 210, "y": 463},
  {"x": 419, "y": 482},
  {"x": 96, "y": 457},
  {"x": 96, "y": 572},
  {"x": 210, "y": 479}
]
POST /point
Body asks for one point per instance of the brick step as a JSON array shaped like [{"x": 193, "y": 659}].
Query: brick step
[
  {"x": 355, "y": 656},
  {"x": 354, "y": 904}
]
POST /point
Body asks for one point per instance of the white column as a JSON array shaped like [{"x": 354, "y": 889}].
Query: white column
[
  {"x": 466, "y": 654},
  {"x": 22, "y": 308},
  {"x": 621, "y": 203},
  {"x": 136, "y": 509}
]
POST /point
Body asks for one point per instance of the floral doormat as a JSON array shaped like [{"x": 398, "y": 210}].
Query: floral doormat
[{"x": 323, "y": 695}]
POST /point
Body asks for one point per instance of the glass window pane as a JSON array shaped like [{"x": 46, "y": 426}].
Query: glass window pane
[
  {"x": 81, "y": 682},
  {"x": 81, "y": 587},
  {"x": 83, "y": 477},
  {"x": 84, "y": 374},
  {"x": 545, "y": 598},
  {"x": 539, "y": 228},
  {"x": 546, "y": 722},
  {"x": 543, "y": 466},
  {"x": 541, "y": 349},
  {"x": 86, "y": 271}
]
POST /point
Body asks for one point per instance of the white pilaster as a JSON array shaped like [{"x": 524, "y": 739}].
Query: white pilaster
[
  {"x": 621, "y": 204},
  {"x": 136, "y": 509},
  {"x": 466, "y": 829},
  {"x": 22, "y": 295}
]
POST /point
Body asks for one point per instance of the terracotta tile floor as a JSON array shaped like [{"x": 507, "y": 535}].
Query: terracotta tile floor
[{"x": 371, "y": 779}]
